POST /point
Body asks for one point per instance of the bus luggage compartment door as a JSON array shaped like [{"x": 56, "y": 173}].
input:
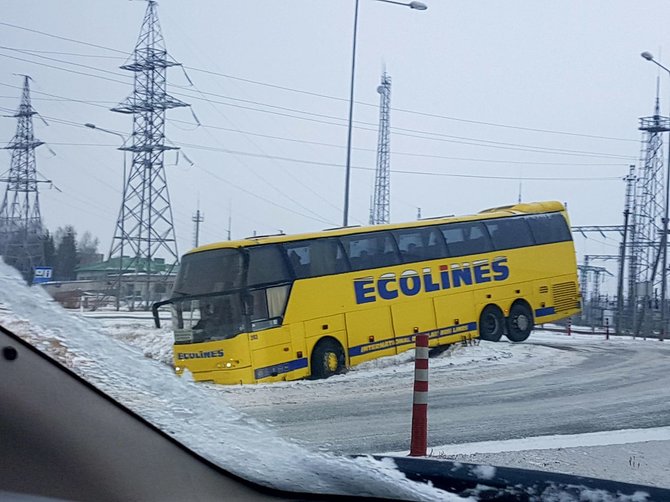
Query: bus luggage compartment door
[
  {"x": 410, "y": 317},
  {"x": 370, "y": 334}
]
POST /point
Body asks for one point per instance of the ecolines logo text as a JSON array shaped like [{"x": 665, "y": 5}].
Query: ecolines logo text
[
  {"x": 200, "y": 355},
  {"x": 389, "y": 287}
]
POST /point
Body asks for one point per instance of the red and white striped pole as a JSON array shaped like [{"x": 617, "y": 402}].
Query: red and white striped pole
[{"x": 419, "y": 440}]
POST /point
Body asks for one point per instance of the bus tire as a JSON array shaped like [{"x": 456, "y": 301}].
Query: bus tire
[
  {"x": 519, "y": 322},
  {"x": 327, "y": 359},
  {"x": 491, "y": 323}
]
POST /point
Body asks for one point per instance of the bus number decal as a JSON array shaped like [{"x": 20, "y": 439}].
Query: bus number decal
[{"x": 388, "y": 286}]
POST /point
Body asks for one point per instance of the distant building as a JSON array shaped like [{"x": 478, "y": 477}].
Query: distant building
[{"x": 98, "y": 285}]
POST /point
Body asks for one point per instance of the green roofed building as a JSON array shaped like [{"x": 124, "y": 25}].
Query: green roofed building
[{"x": 97, "y": 284}]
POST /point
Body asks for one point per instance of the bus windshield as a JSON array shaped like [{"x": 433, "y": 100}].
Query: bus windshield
[
  {"x": 212, "y": 307},
  {"x": 215, "y": 298}
]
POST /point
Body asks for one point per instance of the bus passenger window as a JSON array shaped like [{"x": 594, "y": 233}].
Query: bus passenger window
[
  {"x": 266, "y": 265},
  {"x": 466, "y": 238},
  {"x": 299, "y": 261},
  {"x": 548, "y": 228},
  {"x": 508, "y": 233},
  {"x": 316, "y": 257},
  {"x": 420, "y": 244},
  {"x": 373, "y": 250}
]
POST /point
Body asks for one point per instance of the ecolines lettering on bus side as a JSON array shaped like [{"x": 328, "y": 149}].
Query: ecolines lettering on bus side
[
  {"x": 389, "y": 287},
  {"x": 200, "y": 355}
]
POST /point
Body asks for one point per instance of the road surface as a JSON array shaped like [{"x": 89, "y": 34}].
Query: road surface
[{"x": 551, "y": 384}]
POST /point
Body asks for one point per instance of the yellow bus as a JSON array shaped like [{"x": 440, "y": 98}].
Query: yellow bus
[{"x": 282, "y": 307}]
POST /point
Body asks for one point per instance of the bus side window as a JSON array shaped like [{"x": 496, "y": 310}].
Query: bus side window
[
  {"x": 341, "y": 261},
  {"x": 372, "y": 250},
  {"x": 299, "y": 257},
  {"x": 466, "y": 238},
  {"x": 316, "y": 257},
  {"x": 508, "y": 233},
  {"x": 420, "y": 244},
  {"x": 548, "y": 228},
  {"x": 266, "y": 265}
]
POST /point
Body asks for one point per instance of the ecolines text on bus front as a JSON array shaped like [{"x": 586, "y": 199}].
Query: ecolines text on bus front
[{"x": 389, "y": 287}]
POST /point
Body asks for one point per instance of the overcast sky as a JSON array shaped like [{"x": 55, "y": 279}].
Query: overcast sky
[{"x": 487, "y": 97}]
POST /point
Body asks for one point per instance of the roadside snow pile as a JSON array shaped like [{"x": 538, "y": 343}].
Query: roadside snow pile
[
  {"x": 632, "y": 455},
  {"x": 645, "y": 463},
  {"x": 154, "y": 343}
]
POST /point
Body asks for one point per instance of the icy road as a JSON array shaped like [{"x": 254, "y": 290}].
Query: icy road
[{"x": 551, "y": 384}]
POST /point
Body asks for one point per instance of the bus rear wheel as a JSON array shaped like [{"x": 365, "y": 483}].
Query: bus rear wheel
[
  {"x": 519, "y": 322},
  {"x": 327, "y": 359},
  {"x": 491, "y": 324}
]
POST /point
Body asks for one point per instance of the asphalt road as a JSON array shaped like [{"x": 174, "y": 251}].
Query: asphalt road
[{"x": 572, "y": 388}]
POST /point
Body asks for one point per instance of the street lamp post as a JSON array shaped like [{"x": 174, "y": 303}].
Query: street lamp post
[
  {"x": 347, "y": 177},
  {"x": 123, "y": 139},
  {"x": 664, "y": 238}
]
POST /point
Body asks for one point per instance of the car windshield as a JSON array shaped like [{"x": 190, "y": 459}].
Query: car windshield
[{"x": 237, "y": 223}]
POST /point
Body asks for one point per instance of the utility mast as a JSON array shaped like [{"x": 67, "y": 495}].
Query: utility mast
[
  {"x": 647, "y": 217},
  {"x": 21, "y": 232},
  {"x": 197, "y": 218},
  {"x": 629, "y": 202},
  {"x": 144, "y": 230},
  {"x": 380, "y": 209}
]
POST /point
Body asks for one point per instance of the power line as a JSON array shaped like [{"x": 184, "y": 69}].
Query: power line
[
  {"x": 253, "y": 194},
  {"x": 329, "y": 164},
  {"x": 424, "y": 135},
  {"x": 326, "y": 96},
  {"x": 125, "y": 53},
  {"x": 333, "y": 145},
  {"x": 260, "y": 177},
  {"x": 64, "y": 53}
]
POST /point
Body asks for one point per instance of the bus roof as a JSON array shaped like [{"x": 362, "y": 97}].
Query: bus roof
[{"x": 496, "y": 212}]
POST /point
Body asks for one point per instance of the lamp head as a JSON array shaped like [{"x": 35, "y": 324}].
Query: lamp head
[
  {"x": 89, "y": 125},
  {"x": 418, "y": 5},
  {"x": 647, "y": 55}
]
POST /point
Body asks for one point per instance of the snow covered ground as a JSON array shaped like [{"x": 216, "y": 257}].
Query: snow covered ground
[
  {"x": 635, "y": 456},
  {"x": 152, "y": 389}
]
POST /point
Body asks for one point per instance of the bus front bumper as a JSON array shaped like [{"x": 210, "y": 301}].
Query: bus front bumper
[{"x": 232, "y": 376}]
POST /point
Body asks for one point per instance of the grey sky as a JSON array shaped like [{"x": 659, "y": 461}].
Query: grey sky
[{"x": 570, "y": 66}]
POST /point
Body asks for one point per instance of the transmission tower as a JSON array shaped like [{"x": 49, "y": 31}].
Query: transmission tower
[
  {"x": 144, "y": 230},
  {"x": 21, "y": 232},
  {"x": 647, "y": 214},
  {"x": 380, "y": 209}
]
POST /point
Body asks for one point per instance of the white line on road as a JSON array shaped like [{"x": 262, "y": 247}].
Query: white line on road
[{"x": 623, "y": 436}]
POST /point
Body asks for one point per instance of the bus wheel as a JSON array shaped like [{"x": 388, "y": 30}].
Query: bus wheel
[
  {"x": 519, "y": 322},
  {"x": 491, "y": 324},
  {"x": 327, "y": 359}
]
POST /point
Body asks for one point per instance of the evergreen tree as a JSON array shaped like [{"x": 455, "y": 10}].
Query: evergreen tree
[
  {"x": 49, "y": 250},
  {"x": 66, "y": 254}
]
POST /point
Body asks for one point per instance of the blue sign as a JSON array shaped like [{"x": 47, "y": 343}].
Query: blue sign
[{"x": 42, "y": 274}]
